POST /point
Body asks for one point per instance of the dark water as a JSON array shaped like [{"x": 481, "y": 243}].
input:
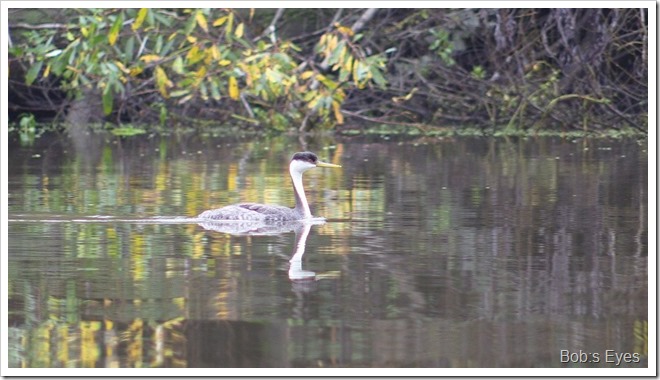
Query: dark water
[{"x": 436, "y": 253}]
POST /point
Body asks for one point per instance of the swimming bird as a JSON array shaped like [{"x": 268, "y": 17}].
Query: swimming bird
[{"x": 300, "y": 163}]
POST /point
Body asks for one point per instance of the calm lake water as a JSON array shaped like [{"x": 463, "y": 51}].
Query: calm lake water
[{"x": 469, "y": 252}]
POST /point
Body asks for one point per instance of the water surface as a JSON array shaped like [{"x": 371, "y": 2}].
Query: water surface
[{"x": 469, "y": 252}]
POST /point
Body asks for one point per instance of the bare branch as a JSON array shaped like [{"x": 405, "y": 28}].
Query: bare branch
[
  {"x": 22, "y": 25},
  {"x": 366, "y": 16},
  {"x": 270, "y": 30}
]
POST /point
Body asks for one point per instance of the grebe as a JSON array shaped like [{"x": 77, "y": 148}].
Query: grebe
[{"x": 300, "y": 163}]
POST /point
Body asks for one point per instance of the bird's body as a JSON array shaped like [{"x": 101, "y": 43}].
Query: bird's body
[
  {"x": 257, "y": 212},
  {"x": 252, "y": 212}
]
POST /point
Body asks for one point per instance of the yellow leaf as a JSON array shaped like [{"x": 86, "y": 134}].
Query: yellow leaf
[
  {"x": 224, "y": 62},
  {"x": 344, "y": 30},
  {"x": 201, "y": 21},
  {"x": 314, "y": 101},
  {"x": 162, "y": 81},
  {"x": 401, "y": 99},
  {"x": 135, "y": 71},
  {"x": 47, "y": 71},
  {"x": 337, "y": 110},
  {"x": 271, "y": 76},
  {"x": 348, "y": 65},
  {"x": 230, "y": 25},
  {"x": 142, "y": 13},
  {"x": 215, "y": 52},
  {"x": 191, "y": 39},
  {"x": 199, "y": 76},
  {"x": 121, "y": 67},
  {"x": 149, "y": 58},
  {"x": 332, "y": 44},
  {"x": 219, "y": 21},
  {"x": 192, "y": 53},
  {"x": 233, "y": 88},
  {"x": 306, "y": 75},
  {"x": 239, "y": 30},
  {"x": 250, "y": 72}
]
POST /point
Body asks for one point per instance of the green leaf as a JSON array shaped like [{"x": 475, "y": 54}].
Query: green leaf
[
  {"x": 215, "y": 89},
  {"x": 128, "y": 131},
  {"x": 129, "y": 49},
  {"x": 58, "y": 66},
  {"x": 33, "y": 72},
  {"x": 336, "y": 54},
  {"x": 84, "y": 80},
  {"x": 190, "y": 25},
  {"x": 179, "y": 93},
  {"x": 115, "y": 29},
  {"x": 167, "y": 47},
  {"x": 177, "y": 65},
  {"x": 95, "y": 40},
  {"x": 163, "y": 115},
  {"x": 204, "y": 92},
  {"x": 150, "y": 18},
  {"x": 108, "y": 98},
  {"x": 167, "y": 21},
  {"x": 15, "y": 51},
  {"x": 159, "y": 44},
  {"x": 378, "y": 78},
  {"x": 27, "y": 122}
]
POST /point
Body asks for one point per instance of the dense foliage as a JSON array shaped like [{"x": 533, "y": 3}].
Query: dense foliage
[{"x": 512, "y": 69}]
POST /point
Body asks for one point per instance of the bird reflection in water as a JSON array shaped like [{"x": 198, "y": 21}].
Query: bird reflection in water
[{"x": 301, "y": 228}]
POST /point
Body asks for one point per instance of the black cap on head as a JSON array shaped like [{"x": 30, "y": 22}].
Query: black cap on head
[{"x": 305, "y": 156}]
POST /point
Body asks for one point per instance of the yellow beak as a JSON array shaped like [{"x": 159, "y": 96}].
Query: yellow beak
[{"x": 326, "y": 165}]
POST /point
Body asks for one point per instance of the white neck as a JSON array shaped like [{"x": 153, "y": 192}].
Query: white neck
[{"x": 301, "y": 200}]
